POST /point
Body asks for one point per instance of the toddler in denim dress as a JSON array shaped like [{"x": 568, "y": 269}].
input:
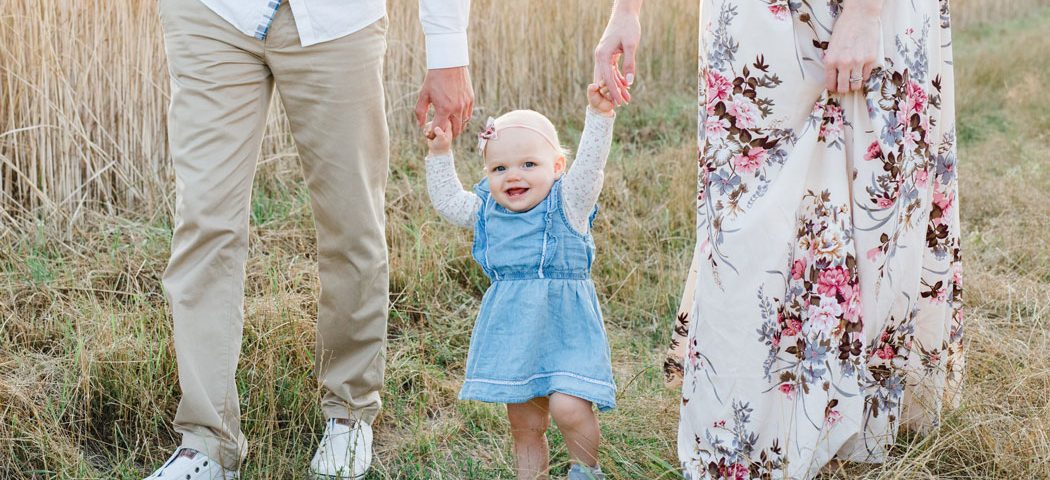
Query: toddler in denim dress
[{"x": 539, "y": 343}]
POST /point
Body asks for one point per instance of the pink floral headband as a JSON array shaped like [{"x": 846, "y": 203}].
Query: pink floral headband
[{"x": 490, "y": 133}]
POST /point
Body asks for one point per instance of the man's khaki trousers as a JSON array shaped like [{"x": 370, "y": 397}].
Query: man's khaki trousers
[{"x": 222, "y": 83}]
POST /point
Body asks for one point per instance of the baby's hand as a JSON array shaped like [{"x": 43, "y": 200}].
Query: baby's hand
[
  {"x": 599, "y": 98},
  {"x": 439, "y": 141}
]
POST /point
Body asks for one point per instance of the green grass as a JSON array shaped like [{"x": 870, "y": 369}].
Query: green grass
[{"x": 88, "y": 384}]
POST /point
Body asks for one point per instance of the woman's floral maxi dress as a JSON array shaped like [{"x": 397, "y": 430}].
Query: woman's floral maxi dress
[{"x": 827, "y": 290}]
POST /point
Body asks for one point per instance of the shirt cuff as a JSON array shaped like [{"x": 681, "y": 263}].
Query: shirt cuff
[{"x": 447, "y": 50}]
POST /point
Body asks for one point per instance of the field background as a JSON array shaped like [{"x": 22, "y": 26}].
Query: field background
[{"x": 87, "y": 373}]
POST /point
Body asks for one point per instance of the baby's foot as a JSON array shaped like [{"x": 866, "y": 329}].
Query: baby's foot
[{"x": 581, "y": 472}]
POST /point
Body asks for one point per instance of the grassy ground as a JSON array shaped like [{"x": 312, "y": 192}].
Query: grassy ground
[{"x": 87, "y": 374}]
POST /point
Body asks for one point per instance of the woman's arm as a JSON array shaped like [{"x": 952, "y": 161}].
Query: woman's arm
[
  {"x": 621, "y": 38},
  {"x": 854, "y": 46}
]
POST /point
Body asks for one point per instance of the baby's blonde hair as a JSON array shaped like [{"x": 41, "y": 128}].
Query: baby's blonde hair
[{"x": 531, "y": 120}]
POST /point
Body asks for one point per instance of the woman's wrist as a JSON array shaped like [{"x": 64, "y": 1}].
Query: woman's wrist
[
  {"x": 866, "y": 7},
  {"x": 627, "y": 7}
]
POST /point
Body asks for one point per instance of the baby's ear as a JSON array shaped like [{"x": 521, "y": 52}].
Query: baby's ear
[{"x": 559, "y": 165}]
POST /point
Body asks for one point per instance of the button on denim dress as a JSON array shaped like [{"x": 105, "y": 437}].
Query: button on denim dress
[{"x": 540, "y": 327}]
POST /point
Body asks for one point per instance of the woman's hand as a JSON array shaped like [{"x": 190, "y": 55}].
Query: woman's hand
[
  {"x": 621, "y": 38},
  {"x": 854, "y": 46},
  {"x": 598, "y": 97},
  {"x": 439, "y": 141}
]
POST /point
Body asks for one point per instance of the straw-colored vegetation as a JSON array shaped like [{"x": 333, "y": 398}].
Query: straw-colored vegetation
[{"x": 87, "y": 373}]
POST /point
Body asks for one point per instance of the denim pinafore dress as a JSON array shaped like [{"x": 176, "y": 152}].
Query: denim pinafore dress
[{"x": 540, "y": 327}]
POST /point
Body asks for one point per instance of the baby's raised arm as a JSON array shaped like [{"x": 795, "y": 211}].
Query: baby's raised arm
[
  {"x": 583, "y": 181},
  {"x": 446, "y": 192}
]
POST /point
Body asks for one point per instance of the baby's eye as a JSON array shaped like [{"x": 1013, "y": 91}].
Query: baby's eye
[
  {"x": 530, "y": 164},
  {"x": 499, "y": 168}
]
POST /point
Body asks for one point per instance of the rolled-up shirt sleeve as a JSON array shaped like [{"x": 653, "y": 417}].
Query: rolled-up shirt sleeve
[{"x": 445, "y": 25}]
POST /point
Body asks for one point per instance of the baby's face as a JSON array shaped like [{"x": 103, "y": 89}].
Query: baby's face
[{"x": 521, "y": 168}]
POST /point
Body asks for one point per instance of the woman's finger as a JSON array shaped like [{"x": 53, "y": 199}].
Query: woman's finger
[
  {"x": 856, "y": 78},
  {"x": 842, "y": 84},
  {"x": 830, "y": 78}
]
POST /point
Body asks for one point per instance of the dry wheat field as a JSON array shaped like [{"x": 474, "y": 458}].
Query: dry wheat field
[{"x": 88, "y": 384}]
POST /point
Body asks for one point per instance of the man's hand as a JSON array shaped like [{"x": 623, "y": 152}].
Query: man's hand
[
  {"x": 621, "y": 38},
  {"x": 450, "y": 92}
]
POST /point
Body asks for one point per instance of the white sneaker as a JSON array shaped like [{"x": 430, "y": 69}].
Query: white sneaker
[
  {"x": 189, "y": 464},
  {"x": 345, "y": 452}
]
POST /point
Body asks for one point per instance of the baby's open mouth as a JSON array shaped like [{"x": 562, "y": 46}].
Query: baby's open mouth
[{"x": 516, "y": 192}]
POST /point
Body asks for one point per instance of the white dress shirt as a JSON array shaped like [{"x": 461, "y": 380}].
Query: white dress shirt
[{"x": 444, "y": 22}]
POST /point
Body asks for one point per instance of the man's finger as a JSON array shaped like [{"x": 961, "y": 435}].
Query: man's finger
[
  {"x": 441, "y": 120},
  {"x": 422, "y": 106},
  {"x": 457, "y": 124}
]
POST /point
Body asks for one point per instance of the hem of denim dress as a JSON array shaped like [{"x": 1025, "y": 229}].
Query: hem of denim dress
[{"x": 603, "y": 402}]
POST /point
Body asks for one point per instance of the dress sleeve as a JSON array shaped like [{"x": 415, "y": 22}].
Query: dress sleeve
[
  {"x": 446, "y": 192},
  {"x": 583, "y": 181}
]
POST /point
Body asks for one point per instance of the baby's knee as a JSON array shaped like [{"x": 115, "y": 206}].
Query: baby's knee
[
  {"x": 529, "y": 423},
  {"x": 571, "y": 412}
]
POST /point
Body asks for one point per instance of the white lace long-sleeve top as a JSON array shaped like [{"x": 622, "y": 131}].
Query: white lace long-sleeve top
[{"x": 580, "y": 187}]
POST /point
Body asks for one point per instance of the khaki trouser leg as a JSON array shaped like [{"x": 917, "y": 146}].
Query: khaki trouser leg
[
  {"x": 333, "y": 93},
  {"x": 221, "y": 89}
]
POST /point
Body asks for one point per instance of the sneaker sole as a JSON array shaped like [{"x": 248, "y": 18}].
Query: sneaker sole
[{"x": 321, "y": 476}]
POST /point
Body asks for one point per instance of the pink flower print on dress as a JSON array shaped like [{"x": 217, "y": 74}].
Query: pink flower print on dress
[
  {"x": 833, "y": 417},
  {"x": 873, "y": 152},
  {"x": 944, "y": 202},
  {"x": 716, "y": 128},
  {"x": 788, "y": 390},
  {"x": 779, "y": 11},
  {"x": 750, "y": 161},
  {"x": 886, "y": 352},
  {"x": 922, "y": 175},
  {"x": 917, "y": 97},
  {"x": 831, "y": 127},
  {"x": 744, "y": 111},
  {"x": 824, "y": 318},
  {"x": 738, "y": 471},
  {"x": 798, "y": 269},
  {"x": 832, "y": 280},
  {"x": 718, "y": 88}
]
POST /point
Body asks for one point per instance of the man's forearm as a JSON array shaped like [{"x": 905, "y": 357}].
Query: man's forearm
[{"x": 445, "y": 26}]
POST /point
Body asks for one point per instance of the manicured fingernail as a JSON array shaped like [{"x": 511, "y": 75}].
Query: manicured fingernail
[{"x": 630, "y": 78}]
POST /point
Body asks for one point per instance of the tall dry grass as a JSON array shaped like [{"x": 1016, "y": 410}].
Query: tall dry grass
[
  {"x": 88, "y": 384},
  {"x": 83, "y": 90}
]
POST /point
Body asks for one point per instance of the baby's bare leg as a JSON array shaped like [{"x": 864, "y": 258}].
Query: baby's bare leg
[
  {"x": 528, "y": 426},
  {"x": 578, "y": 424}
]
